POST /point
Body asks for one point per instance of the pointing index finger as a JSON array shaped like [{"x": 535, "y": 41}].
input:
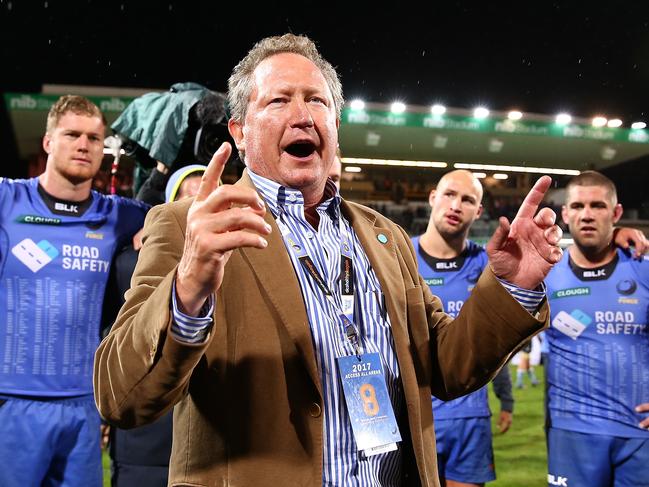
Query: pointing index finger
[
  {"x": 534, "y": 197},
  {"x": 212, "y": 174}
]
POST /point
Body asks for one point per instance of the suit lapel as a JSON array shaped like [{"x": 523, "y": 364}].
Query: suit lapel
[
  {"x": 379, "y": 245},
  {"x": 275, "y": 272}
]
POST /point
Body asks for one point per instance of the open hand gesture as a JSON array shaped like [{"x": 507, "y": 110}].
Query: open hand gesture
[
  {"x": 524, "y": 252},
  {"x": 220, "y": 219}
]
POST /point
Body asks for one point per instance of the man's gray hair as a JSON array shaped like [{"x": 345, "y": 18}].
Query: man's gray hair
[{"x": 240, "y": 84}]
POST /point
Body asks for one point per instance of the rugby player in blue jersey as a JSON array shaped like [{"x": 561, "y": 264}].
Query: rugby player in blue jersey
[
  {"x": 451, "y": 265},
  {"x": 598, "y": 367},
  {"x": 57, "y": 241}
]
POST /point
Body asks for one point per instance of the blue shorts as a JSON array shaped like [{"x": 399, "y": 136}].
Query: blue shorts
[
  {"x": 464, "y": 450},
  {"x": 576, "y": 459},
  {"x": 50, "y": 442}
]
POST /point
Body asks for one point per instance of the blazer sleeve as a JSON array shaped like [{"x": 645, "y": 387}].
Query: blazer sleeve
[
  {"x": 466, "y": 352},
  {"x": 140, "y": 371}
]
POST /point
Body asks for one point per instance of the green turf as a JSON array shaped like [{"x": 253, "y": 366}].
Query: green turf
[
  {"x": 520, "y": 453},
  {"x": 106, "y": 462}
]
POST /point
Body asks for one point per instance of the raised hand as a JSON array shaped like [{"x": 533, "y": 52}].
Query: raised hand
[
  {"x": 524, "y": 252},
  {"x": 220, "y": 219}
]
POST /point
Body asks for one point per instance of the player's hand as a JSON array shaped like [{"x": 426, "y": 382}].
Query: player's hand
[
  {"x": 524, "y": 251},
  {"x": 221, "y": 219},
  {"x": 105, "y": 435},
  {"x": 624, "y": 237},
  {"x": 643, "y": 408},
  {"x": 505, "y": 421},
  {"x": 137, "y": 239}
]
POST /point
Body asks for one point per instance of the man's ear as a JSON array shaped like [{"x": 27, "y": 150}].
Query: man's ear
[
  {"x": 431, "y": 197},
  {"x": 479, "y": 214},
  {"x": 236, "y": 131},
  {"x": 564, "y": 214},
  {"x": 47, "y": 142},
  {"x": 617, "y": 212}
]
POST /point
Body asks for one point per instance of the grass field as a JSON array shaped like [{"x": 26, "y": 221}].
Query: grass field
[{"x": 520, "y": 453}]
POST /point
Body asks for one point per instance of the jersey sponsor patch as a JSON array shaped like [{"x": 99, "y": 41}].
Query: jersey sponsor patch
[
  {"x": 34, "y": 255},
  {"x": 572, "y": 324},
  {"x": 38, "y": 220},
  {"x": 83, "y": 258},
  {"x": 570, "y": 292},
  {"x": 434, "y": 281}
]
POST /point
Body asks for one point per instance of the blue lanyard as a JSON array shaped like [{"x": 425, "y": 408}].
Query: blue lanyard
[{"x": 346, "y": 314}]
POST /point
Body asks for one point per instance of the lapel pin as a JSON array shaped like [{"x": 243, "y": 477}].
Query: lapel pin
[{"x": 382, "y": 238}]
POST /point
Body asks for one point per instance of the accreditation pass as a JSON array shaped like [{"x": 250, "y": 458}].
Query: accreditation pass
[{"x": 368, "y": 403}]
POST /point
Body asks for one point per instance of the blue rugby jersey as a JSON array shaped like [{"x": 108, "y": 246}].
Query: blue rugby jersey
[
  {"x": 452, "y": 281},
  {"x": 53, "y": 270},
  {"x": 599, "y": 346}
]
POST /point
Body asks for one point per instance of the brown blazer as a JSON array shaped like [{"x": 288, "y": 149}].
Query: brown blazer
[{"x": 248, "y": 402}]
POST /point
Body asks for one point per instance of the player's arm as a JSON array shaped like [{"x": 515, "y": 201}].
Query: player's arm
[{"x": 625, "y": 237}]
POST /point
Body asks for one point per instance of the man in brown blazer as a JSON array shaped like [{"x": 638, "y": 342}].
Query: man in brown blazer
[{"x": 247, "y": 301}]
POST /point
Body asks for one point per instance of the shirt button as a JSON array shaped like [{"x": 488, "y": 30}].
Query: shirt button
[
  {"x": 309, "y": 234},
  {"x": 315, "y": 410},
  {"x": 292, "y": 197}
]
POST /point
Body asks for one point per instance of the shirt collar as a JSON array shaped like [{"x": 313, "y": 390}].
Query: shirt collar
[{"x": 278, "y": 197}]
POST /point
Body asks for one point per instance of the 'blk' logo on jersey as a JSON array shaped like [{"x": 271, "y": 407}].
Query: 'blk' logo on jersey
[
  {"x": 595, "y": 274},
  {"x": 66, "y": 207},
  {"x": 558, "y": 480}
]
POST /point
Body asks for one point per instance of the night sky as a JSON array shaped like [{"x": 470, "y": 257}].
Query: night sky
[{"x": 585, "y": 58}]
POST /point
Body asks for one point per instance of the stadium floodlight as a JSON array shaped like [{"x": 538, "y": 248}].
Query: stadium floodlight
[
  {"x": 480, "y": 112},
  {"x": 515, "y": 115},
  {"x": 599, "y": 121},
  {"x": 500, "y": 175},
  {"x": 480, "y": 175},
  {"x": 353, "y": 169},
  {"x": 638, "y": 125},
  {"x": 438, "y": 109},
  {"x": 563, "y": 119},
  {"x": 357, "y": 104},
  {"x": 398, "y": 107},
  {"x": 614, "y": 123},
  {"x": 392, "y": 162},
  {"x": 529, "y": 169}
]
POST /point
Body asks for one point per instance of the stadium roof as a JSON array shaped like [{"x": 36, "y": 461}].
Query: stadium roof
[{"x": 375, "y": 133}]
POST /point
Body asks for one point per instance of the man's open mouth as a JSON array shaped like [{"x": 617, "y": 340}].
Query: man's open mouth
[{"x": 301, "y": 149}]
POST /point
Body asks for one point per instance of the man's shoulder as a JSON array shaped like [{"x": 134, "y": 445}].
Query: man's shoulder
[
  {"x": 371, "y": 215},
  {"x": 640, "y": 267},
  {"x": 7, "y": 184},
  {"x": 124, "y": 208},
  {"x": 175, "y": 210},
  {"x": 121, "y": 201},
  {"x": 475, "y": 249},
  {"x": 14, "y": 191}
]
